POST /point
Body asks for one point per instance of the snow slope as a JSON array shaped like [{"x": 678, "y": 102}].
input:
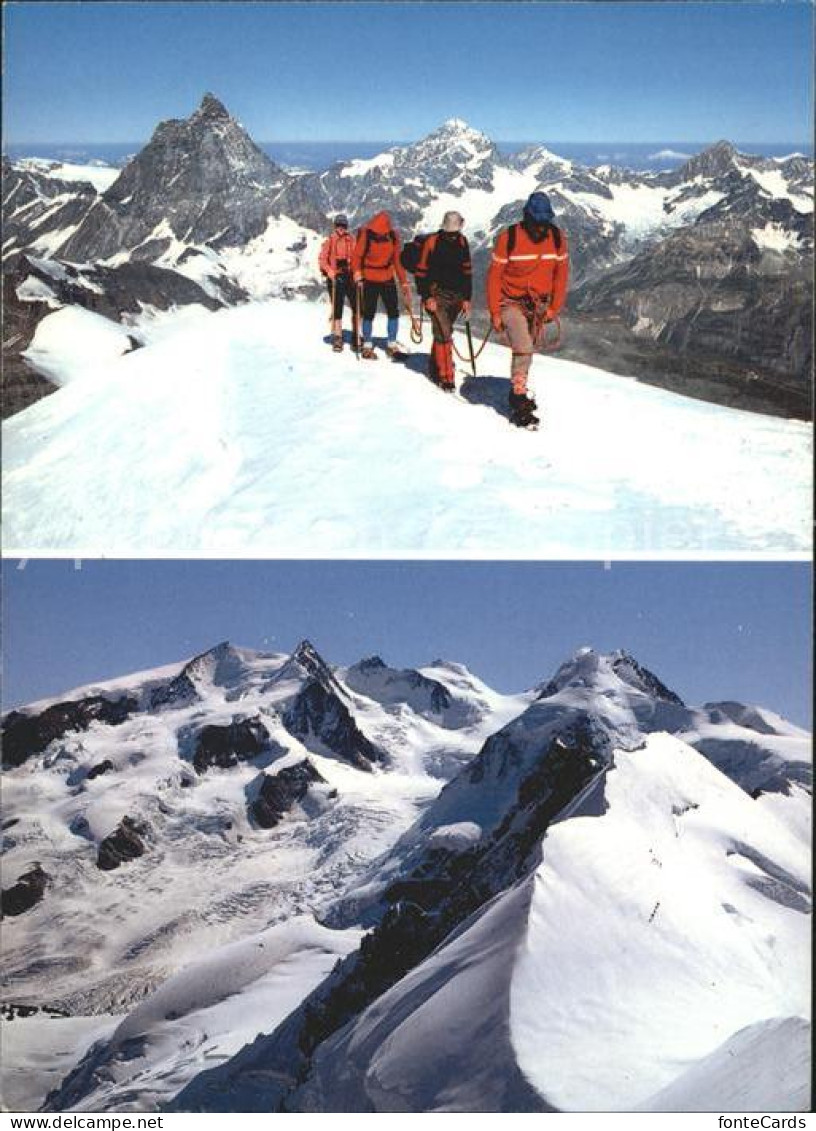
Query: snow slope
[
  {"x": 203, "y": 1015},
  {"x": 657, "y": 959},
  {"x": 277, "y": 447},
  {"x": 73, "y": 342}
]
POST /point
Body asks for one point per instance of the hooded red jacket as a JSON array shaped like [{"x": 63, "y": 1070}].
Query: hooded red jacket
[
  {"x": 534, "y": 269},
  {"x": 376, "y": 256}
]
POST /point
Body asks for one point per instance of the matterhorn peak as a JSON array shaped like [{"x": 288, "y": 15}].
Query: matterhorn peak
[{"x": 211, "y": 108}]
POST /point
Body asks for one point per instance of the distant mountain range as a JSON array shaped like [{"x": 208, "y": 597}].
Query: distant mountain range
[
  {"x": 259, "y": 882},
  {"x": 698, "y": 278}
]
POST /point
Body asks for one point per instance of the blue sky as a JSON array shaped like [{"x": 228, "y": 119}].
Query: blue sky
[
  {"x": 96, "y": 72},
  {"x": 710, "y": 631}
]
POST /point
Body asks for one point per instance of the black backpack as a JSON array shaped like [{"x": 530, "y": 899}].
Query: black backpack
[{"x": 412, "y": 252}]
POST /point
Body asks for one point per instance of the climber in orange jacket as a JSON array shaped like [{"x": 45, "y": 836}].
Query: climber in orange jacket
[
  {"x": 335, "y": 267},
  {"x": 376, "y": 264},
  {"x": 526, "y": 287}
]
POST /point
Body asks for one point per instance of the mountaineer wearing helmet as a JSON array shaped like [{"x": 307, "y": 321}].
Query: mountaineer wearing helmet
[{"x": 526, "y": 288}]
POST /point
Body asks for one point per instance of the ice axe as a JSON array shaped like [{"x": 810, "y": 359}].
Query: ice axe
[{"x": 470, "y": 346}]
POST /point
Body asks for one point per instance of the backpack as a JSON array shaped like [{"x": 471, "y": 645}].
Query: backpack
[
  {"x": 376, "y": 238},
  {"x": 412, "y": 253}
]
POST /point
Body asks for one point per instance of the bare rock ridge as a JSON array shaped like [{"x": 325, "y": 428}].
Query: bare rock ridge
[
  {"x": 321, "y": 712},
  {"x": 125, "y": 843},
  {"x": 274, "y": 795},
  {"x": 26, "y": 735}
]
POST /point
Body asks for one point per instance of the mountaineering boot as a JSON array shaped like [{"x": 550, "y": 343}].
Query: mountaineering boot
[
  {"x": 367, "y": 352},
  {"x": 523, "y": 411},
  {"x": 337, "y": 343},
  {"x": 395, "y": 351},
  {"x": 441, "y": 383}
]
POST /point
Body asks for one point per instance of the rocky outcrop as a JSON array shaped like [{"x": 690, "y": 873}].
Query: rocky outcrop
[
  {"x": 26, "y": 893},
  {"x": 125, "y": 843},
  {"x": 99, "y": 769},
  {"x": 321, "y": 710},
  {"x": 118, "y": 290},
  {"x": 226, "y": 746},
  {"x": 21, "y": 385},
  {"x": 319, "y": 713},
  {"x": 273, "y": 795},
  {"x": 25, "y": 735}
]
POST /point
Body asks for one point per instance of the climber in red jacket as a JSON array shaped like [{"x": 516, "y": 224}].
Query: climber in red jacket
[
  {"x": 376, "y": 265},
  {"x": 526, "y": 287},
  {"x": 335, "y": 266}
]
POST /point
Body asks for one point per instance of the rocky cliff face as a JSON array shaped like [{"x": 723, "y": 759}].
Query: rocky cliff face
[
  {"x": 25, "y": 735},
  {"x": 710, "y": 292},
  {"x": 200, "y": 180}
]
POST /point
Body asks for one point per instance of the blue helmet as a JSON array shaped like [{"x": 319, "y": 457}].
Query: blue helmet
[{"x": 539, "y": 209}]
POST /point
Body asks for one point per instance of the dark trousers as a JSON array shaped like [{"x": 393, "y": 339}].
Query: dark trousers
[
  {"x": 373, "y": 292},
  {"x": 342, "y": 290}
]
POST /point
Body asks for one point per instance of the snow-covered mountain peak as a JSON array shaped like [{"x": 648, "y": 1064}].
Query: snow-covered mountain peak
[
  {"x": 454, "y": 156},
  {"x": 306, "y": 662},
  {"x": 715, "y": 161},
  {"x": 221, "y": 665},
  {"x": 604, "y": 673},
  {"x": 458, "y": 129}
]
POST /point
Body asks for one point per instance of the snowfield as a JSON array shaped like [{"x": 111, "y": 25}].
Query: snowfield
[
  {"x": 641, "y": 945},
  {"x": 240, "y": 433}
]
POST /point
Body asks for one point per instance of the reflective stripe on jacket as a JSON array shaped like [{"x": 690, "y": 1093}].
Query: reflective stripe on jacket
[{"x": 531, "y": 269}]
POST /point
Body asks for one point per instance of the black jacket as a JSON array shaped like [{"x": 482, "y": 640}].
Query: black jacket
[{"x": 445, "y": 265}]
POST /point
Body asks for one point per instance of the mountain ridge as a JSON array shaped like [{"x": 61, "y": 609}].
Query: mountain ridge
[
  {"x": 396, "y": 860},
  {"x": 202, "y": 200}
]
